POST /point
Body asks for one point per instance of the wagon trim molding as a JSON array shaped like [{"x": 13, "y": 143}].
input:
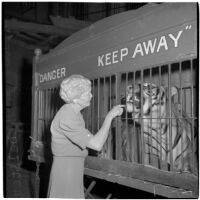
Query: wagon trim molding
[
  {"x": 149, "y": 174},
  {"x": 135, "y": 18}
]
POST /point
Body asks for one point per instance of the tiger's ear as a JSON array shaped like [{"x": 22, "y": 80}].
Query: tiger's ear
[
  {"x": 174, "y": 94},
  {"x": 174, "y": 91}
]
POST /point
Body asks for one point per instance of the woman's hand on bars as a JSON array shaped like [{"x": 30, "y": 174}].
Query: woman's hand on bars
[{"x": 116, "y": 111}]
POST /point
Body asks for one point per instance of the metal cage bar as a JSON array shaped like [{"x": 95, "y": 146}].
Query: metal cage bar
[
  {"x": 160, "y": 156},
  {"x": 110, "y": 137},
  {"x": 192, "y": 113},
  {"x": 170, "y": 117},
  {"x": 141, "y": 120},
  {"x": 151, "y": 133},
  {"x": 181, "y": 103},
  {"x": 118, "y": 123},
  {"x": 135, "y": 156}
]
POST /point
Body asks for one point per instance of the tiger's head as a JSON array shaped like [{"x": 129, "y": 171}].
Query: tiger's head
[{"x": 147, "y": 98}]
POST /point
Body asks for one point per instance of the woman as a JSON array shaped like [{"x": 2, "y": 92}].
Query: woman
[{"x": 70, "y": 138}]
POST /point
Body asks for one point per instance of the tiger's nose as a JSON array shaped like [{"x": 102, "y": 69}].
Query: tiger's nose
[
  {"x": 123, "y": 100},
  {"x": 137, "y": 104}
]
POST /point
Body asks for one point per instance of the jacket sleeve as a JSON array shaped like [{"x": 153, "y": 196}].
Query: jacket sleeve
[{"x": 74, "y": 129}]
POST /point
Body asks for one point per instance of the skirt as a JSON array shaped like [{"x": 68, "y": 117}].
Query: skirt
[{"x": 66, "y": 178}]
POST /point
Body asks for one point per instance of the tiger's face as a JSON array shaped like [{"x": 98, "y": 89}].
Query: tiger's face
[{"x": 146, "y": 99}]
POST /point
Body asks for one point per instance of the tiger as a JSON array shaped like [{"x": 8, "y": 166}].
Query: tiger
[{"x": 148, "y": 105}]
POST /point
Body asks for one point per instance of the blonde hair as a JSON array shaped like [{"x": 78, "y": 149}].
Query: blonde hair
[{"x": 73, "y": 87}]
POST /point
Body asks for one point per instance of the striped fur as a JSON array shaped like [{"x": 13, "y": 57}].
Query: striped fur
[{"x": 149, "y": 106}]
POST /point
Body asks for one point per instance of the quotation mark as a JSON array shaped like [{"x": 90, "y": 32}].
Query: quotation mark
[{"x": 188, "y": 27}]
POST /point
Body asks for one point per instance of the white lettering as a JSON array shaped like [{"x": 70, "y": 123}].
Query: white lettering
[
  {"x": 108, "y": 59},
  {"x": 41, "y": 78},
  {"x": 163, "y": 43},
  {"x": 54, "y": 74},
  {"x": 58, "y": 73},
  {"x": 100, "y": 60},
  {"x": 124, "y": 52},
  {"x": 149, "y": 46},
  {"x": 49, "y": 75},
  {"x": 45, "y": 77},
  {"x": 176, "y": 39},
  {"x": 115, "y": 56},
  {"x": 63, "y": 72},
  {"x": 138, "y": 49},
  {"x": 112, "y": 57}
]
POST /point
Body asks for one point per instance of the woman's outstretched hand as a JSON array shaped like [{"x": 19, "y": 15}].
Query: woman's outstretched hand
[
  {"x": 116, "y": 111},
  {"x": 97, "y": 141}
]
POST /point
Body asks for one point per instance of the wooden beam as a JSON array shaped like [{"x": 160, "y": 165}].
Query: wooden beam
[
  {"x": 15, "y": 25},
  {"x": 156, "y": 189},
  {"x": 89, "y": 189},
  {"x": 184, "y": 181},
  {"x": 35, "y": 35},
  {"x": 48, "y": 40},
  {"x": 30, "y": 47},
  {"x": 25, "y": 37},
  {"x": 70, "y": 22}
]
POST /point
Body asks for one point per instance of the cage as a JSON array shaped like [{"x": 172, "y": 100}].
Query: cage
[{"x": 153, "y": 147}]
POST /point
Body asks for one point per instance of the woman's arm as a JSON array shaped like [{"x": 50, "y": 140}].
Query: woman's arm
[{"x": 97, "y": 141}]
